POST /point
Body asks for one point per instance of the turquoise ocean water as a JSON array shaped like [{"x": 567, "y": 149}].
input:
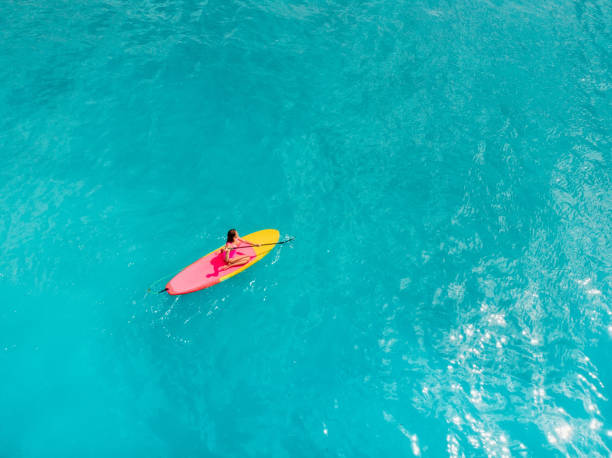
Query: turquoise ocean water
[{"x": 445, "y": 168}]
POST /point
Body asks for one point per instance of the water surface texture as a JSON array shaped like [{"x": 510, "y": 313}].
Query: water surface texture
[{"x": 445, "y": 168}]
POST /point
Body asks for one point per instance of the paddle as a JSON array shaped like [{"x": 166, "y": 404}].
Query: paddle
[
  {"x": 238, "y": 247},
  {"x": 263, "y": 244}
]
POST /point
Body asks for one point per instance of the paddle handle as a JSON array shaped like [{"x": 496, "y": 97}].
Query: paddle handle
[{"x": 263, "y": 244}]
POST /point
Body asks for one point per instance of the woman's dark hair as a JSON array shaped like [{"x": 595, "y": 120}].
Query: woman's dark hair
[{"x": 231, "y": 235}]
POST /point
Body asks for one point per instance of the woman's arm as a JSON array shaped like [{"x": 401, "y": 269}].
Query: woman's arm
[
  {"x": 227, "y": 252},
  {"x": 248, "y": 243}
]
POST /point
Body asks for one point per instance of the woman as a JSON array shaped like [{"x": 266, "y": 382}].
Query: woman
[{"x": 232, "y": 242}]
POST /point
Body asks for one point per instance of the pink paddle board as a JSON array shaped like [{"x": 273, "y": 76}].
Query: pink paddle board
[{"x": 206, "y": 271}]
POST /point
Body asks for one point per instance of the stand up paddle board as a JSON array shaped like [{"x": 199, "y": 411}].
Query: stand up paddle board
[{"x": 205, "y": 272}]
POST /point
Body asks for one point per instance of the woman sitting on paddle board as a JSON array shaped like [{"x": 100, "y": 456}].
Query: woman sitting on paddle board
[{"x": 229, "y": 249}]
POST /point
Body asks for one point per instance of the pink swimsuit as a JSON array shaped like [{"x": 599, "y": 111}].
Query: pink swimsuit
[{"x": 232, "y": 253}]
